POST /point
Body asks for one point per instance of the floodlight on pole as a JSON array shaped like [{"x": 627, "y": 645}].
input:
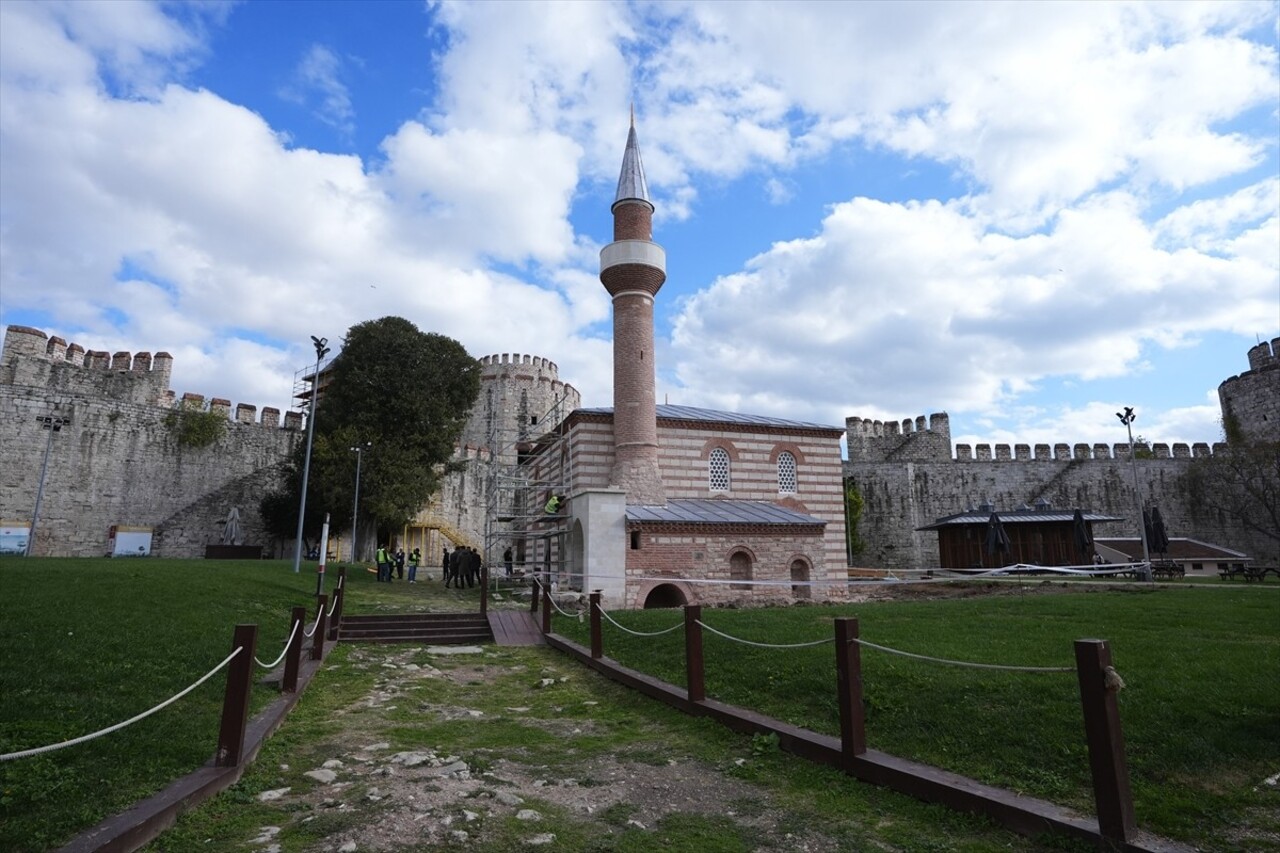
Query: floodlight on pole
[
  {"x": 358, "y": 450},
  {"x": 52, "y": 424},
  {"x": 1127, "y": 420},
  {"x": 322, "y": 350}
]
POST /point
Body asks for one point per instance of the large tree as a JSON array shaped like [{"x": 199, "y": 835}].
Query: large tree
[
  {"x": 406, "y": 395},
  {"x": 1240, "y": 481}
]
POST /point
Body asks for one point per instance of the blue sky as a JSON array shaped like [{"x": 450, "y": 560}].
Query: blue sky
[{"x": 1027, "y": 215}]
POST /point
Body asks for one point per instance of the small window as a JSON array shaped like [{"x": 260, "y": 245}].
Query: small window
[
  {"x": 786, "y": 473},
  {"x": 533, "y": 420},
  {"x": 635, "y": 540},
  {"x": 740, "y": 570},
  {"x": 718, "y": 470}
]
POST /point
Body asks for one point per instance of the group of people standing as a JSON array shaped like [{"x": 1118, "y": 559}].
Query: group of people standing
[
  {"x": 389, "y": 563},
  {"x": 462, "y": 565}
]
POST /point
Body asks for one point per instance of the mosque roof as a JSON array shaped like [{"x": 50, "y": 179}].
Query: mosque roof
[
  {"x": 667, "y": 412},
  {"x": 720, "y": 512},
  {"x": 631, "y": 182}
]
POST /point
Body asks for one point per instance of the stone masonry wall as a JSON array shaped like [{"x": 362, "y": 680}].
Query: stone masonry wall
[
  {"x": 1252, "y": 399},
  {"x": 119, "y": 463}
]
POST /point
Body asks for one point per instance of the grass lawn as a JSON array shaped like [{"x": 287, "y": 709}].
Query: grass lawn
[
  {"x": 1200, "y": 713},
  {"x": 89, "y": 643}
]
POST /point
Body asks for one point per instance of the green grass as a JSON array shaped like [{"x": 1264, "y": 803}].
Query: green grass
[
  {"x": 90, "y": 643},
  {"x": 1200, "y": 714}
]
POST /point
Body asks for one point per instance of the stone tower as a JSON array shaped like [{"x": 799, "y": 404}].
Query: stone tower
[{"x": 632, "y": 269}]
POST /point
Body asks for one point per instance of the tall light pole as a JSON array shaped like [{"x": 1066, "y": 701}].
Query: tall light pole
[
  {"x": 52, "y": 424},
  {"x": 321, "y": 351},
  {"x": 358, "y": 450},
  {"x": 1127, "y": 420}
]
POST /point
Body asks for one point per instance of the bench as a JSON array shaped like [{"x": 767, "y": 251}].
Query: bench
[
  {"x": 1249, "y": 573},
  {"x": 1167, "y": 569}
]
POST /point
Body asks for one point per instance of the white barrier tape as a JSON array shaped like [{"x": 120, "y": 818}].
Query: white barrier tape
[
  {"x": 287, "y": 644},
  {"x": 765, "y": 645},
  {"x": 963, "y": 662},
  {"x": 606, "y": 615},
  {"x": 41, "y": 749}
]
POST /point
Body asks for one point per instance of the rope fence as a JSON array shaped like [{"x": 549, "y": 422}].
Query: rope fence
[
  {"x": 314, "y": 625},
  {"x": 764, "y": 645},
  {"x": 975, "y": 665},
  {"x": 606, "y": 615},
  {"x": 118, "y": 726},
  {"x": 284, "y": 652}
]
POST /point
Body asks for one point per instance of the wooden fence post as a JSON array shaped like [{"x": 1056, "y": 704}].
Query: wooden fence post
[
  {"x": 293, "y": 657},
  {"x": 534, "y": 586},
  {"x": 546, "y": 610},
  {"x": 317, "y": 639},
  {"x": 597, "y": 639},
  {"x": 484, "y": 589},
  {"x": 1111, "y": 793},
  {"x": 340, "y": 595},
  {"x": 853, "y": 729},
  {"x": 693, "y": 653},
  {"x": 235, "y": 701}
]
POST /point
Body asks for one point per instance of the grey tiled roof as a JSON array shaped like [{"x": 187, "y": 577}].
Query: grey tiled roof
[
  {"x": 1016, "y": 516},
  {"x": 689, "y": 413},
  {"x": 720, "y": 512}
]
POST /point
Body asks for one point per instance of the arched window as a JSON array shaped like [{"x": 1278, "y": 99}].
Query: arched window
[
  {"x": 800, "y": 579},
  {"x": 786, "y": 473},
  {"x": 718, "y": 470},
  {"x": 740, "y": 569}
]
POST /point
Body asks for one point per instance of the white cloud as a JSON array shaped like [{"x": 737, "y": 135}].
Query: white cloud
[{"x": 318, "y": 76}]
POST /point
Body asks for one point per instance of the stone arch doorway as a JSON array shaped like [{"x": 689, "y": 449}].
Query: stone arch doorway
[
  {"x": 664, "y": 595},
  {"x": 800, "y": 578},
  {"x": 576, "y": 555}
]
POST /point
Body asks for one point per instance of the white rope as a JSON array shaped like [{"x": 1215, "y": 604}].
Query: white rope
[
  {"x": 965, "y": 662},
  {"x": 333, "y": 605},
  {"x": 606, "y": 615},
  {"x": 939, "y": 576},
  {"x": 287, "y": 644},
  {"x": 551, "y": 598},
  {"x": 315, "y": 624},
  {"x": 41, "y": 749},
  {"x": 764, "y": 645}
]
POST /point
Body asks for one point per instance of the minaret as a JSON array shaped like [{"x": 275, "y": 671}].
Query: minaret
[{"x": 632, "y": 269}]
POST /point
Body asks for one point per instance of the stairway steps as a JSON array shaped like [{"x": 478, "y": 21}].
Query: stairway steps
[{"x": 437, "y": 629}]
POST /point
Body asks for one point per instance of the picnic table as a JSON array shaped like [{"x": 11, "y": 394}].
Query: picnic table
[
  {"x": 1167, "y": 569},
  {"x": 1249, "y": 573}
]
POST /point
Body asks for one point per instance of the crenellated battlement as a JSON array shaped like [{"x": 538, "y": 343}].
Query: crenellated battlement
[
  {"x": 1076, "y": 452},
  {"x": 32, "y": 358},
  {"x": 499, "y": 360},
  {"x": 1251, "y": 401},
  {"x": 521, "y": 396},
  {"x": 908, "y": 440}
]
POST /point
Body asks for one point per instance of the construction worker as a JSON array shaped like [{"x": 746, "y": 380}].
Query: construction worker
[
  {"x": 554, "y": 504},
  {"x": 383, "y": 559},
  {"x": 414, "y": 559}
]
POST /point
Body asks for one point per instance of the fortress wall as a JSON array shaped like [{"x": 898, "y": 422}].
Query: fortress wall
[
  {"x": 901, "y": 497},
  {"x": 519, "y": 395},
  {"x": 1252, "y": 399},
  {"x": 118, "y": 461},
  {"x": 461, "y": 502}
]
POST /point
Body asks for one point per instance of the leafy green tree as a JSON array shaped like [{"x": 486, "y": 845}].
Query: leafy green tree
[
  {"x": 1241, "y": 481},
  {"x": 406, "y": 392},
  {"x": 853, "y": 505}
]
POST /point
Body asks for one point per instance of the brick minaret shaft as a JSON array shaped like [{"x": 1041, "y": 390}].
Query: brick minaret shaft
[{"x": 632, "y": 269}]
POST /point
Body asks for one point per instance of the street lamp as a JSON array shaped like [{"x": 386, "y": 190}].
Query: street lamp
[
  {"x": 321, "y": 351},
  {"x": 358, "y": 450},
  {"x": 53, "y": 425},
  {"x": 1127, "y": 420}
]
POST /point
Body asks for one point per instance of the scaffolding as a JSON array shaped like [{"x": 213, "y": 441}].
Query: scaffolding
[{"x": 524, "y": 472}]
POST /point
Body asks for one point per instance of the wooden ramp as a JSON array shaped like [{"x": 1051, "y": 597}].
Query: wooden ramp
[{"x": 515, "y": 628}]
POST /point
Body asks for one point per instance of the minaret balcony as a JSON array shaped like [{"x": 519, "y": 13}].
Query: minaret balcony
[{"x": 644, "y": 252}]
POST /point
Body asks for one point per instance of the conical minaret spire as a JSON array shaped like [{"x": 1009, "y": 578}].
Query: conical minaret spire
[{"x": 632, "y": 269}]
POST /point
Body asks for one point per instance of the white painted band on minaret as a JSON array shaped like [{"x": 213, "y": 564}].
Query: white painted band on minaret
[
  {"x": 642, "y": 294},
  {"x": 633, "y": 252}
]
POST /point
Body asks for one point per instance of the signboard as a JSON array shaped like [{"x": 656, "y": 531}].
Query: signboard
[
  {"x": 13, "y": 537},
  {"x": 129, "y": 541}
]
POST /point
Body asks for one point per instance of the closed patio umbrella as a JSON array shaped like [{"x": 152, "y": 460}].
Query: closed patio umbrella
[
  {"x": 1083, "y": 539},
  {"x": 231, "y": 533},
  {"x": 997, "y": 540},
  {"x": 1157, "y": 535}
]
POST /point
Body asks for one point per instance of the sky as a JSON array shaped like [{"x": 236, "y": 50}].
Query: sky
[{"x": 1027, "y": 215}]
